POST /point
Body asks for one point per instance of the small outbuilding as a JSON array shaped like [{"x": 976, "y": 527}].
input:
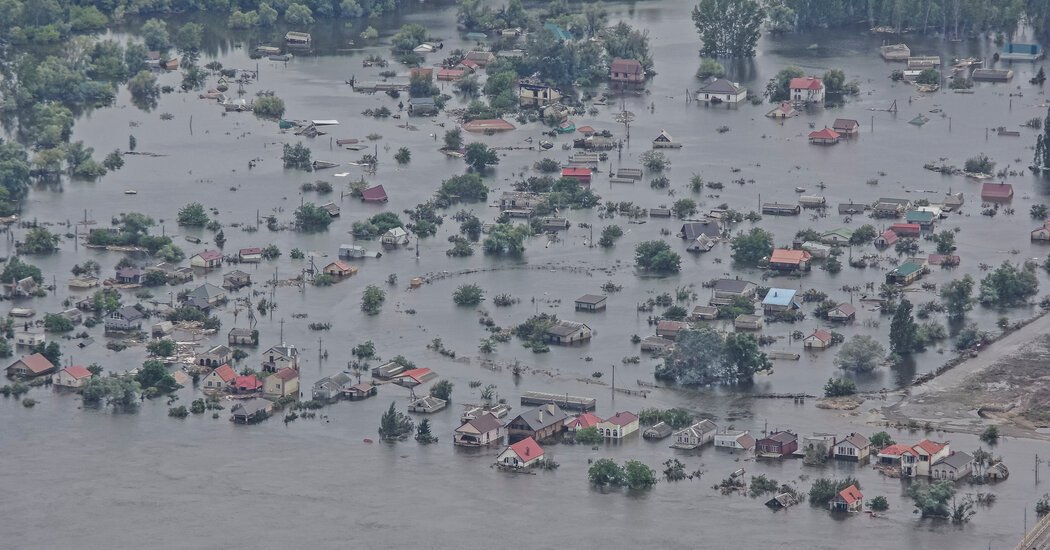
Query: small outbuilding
[{"x": 590, "y": 302}]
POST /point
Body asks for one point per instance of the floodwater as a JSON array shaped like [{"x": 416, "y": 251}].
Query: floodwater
[{"x": 207, "y": 483}]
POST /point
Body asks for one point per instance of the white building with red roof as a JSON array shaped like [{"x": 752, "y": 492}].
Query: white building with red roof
[
  {"x": 820, "y": 339},
  {"x": 72, "y": 377},
  {"x": 207, "y": 259},
  {"x": 619, "y": 425},
  {"x": 807, "y": 89},
  {"x": 522, "y": 454},
  {"x": 917, "y": 461}
]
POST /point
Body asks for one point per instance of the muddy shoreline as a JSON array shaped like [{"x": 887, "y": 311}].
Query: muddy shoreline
[{"x": 997, "y": 387}]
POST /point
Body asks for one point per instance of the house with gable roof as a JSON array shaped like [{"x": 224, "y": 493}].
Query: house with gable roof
[
  {"x": 522, "y": 454},
  {"x": 849, "y": 499},
  {"x": 478, "y": 432},
  {"x": 30, "y": 366}
]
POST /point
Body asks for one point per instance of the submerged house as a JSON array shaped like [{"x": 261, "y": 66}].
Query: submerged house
[
  {"x": 30, "y": 367},
  {"x": 590, "y": 302},
  {"x": 538, "y": 423},
  {"x": 725, "y": 291},
  {"x": 807, "y": 89},
  {"x": 842, "y": 313},
  {"x": 778, "y": 300},
  {"x": 720, "y": 90},
  {"x": 916, "y": 462},
  {"x": 849, "y": 499},
  {"x": 820, "y": 339},
  {"x": 827, "y": 136},
  {"x": 374, "y": 194},
  {"x": 74, "y": 376},
  {"x": 997, "y": 192},
  {"x": 697, "y": 435},
  {"x": 954, "y": 467},
  {"x": 905, "y": 274},
  {"x": 250, "y": 411},
  {"x": 739, "y": 440},
  {"x": 124, "y": 319},
  {"x": 236, "y": 279},
  {"x": 522, "y": 454},
  {"x": 783, "y": 259},
  {"x": 533, "y": 92},
  {"x": 887, "y": 239},
  {"x": 846, "y": 126},
  {"x": 478, "y": 432},
  {"x": 280, "y": 357},
  {"x": 219, "y": 379},
  {"x": 427, "y": 404},
  {"x": 282, "y": 383},
  {"x": 782, "y": 111},
  {"x": 626, "y": 71},
  {"x": 669, "y": 329},
  {"x": 618, "y": 426},
  {"x": 853, "y": 447},
  {"x": 207, "y": 259},
  {"x": 665, "y": 141},
  {"x": 777, "y": 444},
  {"x": 568, "y": 332}
]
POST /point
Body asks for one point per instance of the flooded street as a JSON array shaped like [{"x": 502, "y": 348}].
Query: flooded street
[{"x": 208, "y": 483}]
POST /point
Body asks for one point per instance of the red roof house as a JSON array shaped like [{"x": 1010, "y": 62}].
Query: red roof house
[
  {"x": 451, "y": 74},
  {"x": 77, "y": 371},
  {"x": 827, "y": 136},
  {"x": 820, "y": 339},
  {"x": 414, "y": 377},
  {"x": 997, "y": 191},
  {"x": 247, "y": 383},
  {"x": 626, "y": 70},
  {"x": 906, "y": 229},
  {"x": 848, "y": 500},
  {"x": 488, "y": 125},
  {"x": 72, "y": 377},
  {"x": 807, "y": 89},
  {"x": 585, "y": 420},
  {"x": 31, "y": 367},
  {"x": 225, "y": 373},
  {"x": 806, "y": 83},
  {"x": 374, "y": 194},
  {"x": 522, "y": 454},
  {"x": 582, "y": 175},
  {"x": 788, "y": 260},
  {"x": 888, "y": 238}
]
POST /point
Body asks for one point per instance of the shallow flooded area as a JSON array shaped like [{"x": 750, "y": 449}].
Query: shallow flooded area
[{"x": 113, "y": 480}]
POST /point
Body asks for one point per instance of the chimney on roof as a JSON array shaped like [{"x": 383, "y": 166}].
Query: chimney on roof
[
  {"x": 526, "y": 451},
  {"x": 540, "y": 416}
]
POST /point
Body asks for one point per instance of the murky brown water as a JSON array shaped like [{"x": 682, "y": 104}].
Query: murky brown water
[{"x": 101, "y": 475}]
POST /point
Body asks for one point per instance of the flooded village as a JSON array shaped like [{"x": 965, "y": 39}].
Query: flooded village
[{"x": 557, "y": 260}]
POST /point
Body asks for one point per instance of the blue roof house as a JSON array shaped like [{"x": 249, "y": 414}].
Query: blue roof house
[{"x": 780, "y": 299}]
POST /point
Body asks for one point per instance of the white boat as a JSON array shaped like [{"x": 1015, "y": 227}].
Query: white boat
[
  {"x": 130, "y": 192},
  {"x": 22, "y": 312}
]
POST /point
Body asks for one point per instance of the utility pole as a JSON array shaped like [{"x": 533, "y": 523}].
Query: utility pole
[{"x": 282, "y": 331}]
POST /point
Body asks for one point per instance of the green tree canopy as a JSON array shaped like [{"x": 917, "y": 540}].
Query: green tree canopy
[{"x": 728, "y": 28}]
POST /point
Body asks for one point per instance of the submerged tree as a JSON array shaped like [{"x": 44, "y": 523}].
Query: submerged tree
[
  {"x": 395, "y": 425},
  {"x": 702, "y": 356},
  {"x": 728, "y": 28}
]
